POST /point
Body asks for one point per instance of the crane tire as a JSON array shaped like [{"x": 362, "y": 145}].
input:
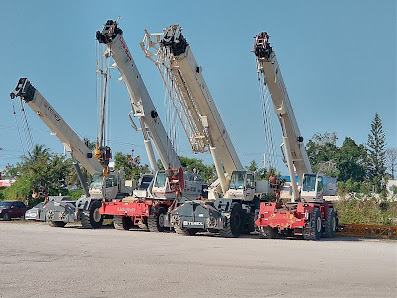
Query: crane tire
[
  {"x": 232, "y": 227},
  {"x": 315, "y": 230},
  {"x": 122, "y": 222},
  {"x": 268, "y": 232},
  {"x": 249, "y": 225},
  {"x": 330, "y": 224},
  {"x": 155, "y": 222},
  {"x": 91, "y": 218},
  {"x": 185, "y": 231},
  {"x": 59, "y": 224}
]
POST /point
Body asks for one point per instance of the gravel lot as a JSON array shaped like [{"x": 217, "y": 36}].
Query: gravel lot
[{"x": 41, "y": 261}]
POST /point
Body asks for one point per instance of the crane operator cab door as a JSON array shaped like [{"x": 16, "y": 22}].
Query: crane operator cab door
[
  {"x": 242, "y": 185},
  {"x": 112, "y": 186},
  {"x": 161, "y": 187},
  {"x": 312, "y": 188},
  {"x": 97, "y": 187}
]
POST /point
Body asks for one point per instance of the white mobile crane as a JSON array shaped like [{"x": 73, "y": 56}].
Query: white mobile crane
[
  {"x": 233, "y": 195},
  {"x": 146, "y": 212},
  {"x": 86, "y": 209},
  {"x": 307, "y": 214}
]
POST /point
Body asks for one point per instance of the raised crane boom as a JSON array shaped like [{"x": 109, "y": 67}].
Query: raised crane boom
[
  {"x": 269, "y": 71},
  {"x": 73, "y": 144},
  {"x": 141, "y": 102},
  {"x": 193, "y": 102}
]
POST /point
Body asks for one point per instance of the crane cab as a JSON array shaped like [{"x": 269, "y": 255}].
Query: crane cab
[
  {"x": 241, "y": 185},
  {"x": 173, "y": 183},
  {"x": 112, "y": 187},
  {"x": 312, "y": 189}
]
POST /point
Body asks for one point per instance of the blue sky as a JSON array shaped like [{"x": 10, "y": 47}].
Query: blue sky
[{"x": 338, "y": 60}]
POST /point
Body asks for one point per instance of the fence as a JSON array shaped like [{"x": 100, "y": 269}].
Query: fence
[{"x": 374, "y": 231}]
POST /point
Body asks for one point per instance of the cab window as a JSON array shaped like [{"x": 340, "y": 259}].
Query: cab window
[{"x": 250, "y": 181}]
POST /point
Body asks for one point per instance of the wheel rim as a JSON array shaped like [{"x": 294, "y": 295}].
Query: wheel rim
[
  {"x": 96, "y": 215},
  {"x": 161, "y": 219},
  {"x": 50, "y": 215},
  {"x": 62, "y": 216},
  {"x": 319, "y": 224}
]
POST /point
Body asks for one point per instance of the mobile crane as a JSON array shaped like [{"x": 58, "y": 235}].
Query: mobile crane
[
  {"x": 147, "y": 211},
  {"x": 86, "y": 208},
  {"x": 234, "y": 195},
  {"x": 307, "y": 214}
]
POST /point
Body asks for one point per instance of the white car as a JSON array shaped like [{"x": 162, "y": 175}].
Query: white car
[{"x": 31, "y": 214}]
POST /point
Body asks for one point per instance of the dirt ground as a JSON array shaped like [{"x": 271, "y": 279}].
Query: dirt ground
[{"x": 42, "y": 261}]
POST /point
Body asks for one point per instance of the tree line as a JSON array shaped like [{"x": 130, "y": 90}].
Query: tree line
[{"x": 359, "y": 168}]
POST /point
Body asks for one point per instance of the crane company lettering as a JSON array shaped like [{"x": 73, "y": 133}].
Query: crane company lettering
[
  {"x": 123, "y": 209},
  {"x": 192, "y": 223},
  {"x": 52, "y": 112},
  {"x": 127, "y": 52}
]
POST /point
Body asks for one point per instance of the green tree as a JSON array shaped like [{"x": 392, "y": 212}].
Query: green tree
[
  {"x": 376, "y": 168},
  {"x": 40, "y": 168},
  {"x": 262, "y": 173},
  {"x": 321, "y": 150},
  {"x": 198, "y": 166},
  {"x": 350, "y": 161},
  {"x": 130, "y": 165},
  {"x": 160, "y": 164},
  {"x": 253, "y": 166}
]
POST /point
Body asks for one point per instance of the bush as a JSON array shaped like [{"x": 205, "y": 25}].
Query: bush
[
  {"x": 20, "y": 190},
  {"x": 366, "y": 211}
]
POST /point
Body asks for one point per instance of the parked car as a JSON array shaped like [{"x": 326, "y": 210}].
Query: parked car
[
  {"x": 32, "y": 213},
  {"x": 12, "y": 209}
]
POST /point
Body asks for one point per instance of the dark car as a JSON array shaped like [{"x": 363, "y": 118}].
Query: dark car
[{"x": 12, "y": 209}]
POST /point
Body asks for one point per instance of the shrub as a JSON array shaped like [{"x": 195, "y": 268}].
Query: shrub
[{"x": 366, "y": 211}]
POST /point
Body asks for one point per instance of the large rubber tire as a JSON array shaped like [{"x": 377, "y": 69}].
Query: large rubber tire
[
  {"x": 330, "y": 224},
  {"x": 255, "y": 219},
  {"x": 185, "y": 231},
  {"x": 232, "y": 228},
  {"x": 155, "y": 223},
  {"x": 6, "y": 217},
  {"x": 58, "y": 224},
  {"x": 92, "y": 219},
  {"x": 122, "y": 222},
  {"x": 268, "y": 232},
  {"x": 315, "y": 231},
  {"x": 249, "y": 224}
]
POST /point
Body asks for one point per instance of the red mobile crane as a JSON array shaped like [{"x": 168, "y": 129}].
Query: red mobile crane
[{"x": 307, "y": 214}]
